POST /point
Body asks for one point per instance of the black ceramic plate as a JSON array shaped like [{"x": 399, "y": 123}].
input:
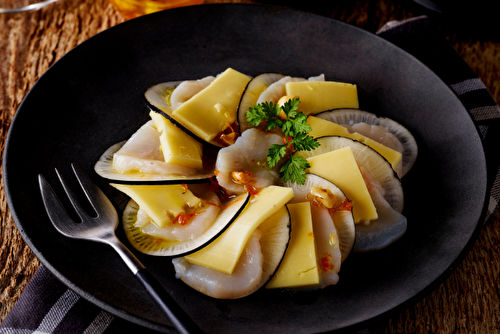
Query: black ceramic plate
[{"x": 92, "y": 98}]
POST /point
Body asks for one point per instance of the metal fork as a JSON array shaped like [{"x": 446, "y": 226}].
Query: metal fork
[
  {"x": 29, "y": 8},
  {"x": 102, "y": 229}
]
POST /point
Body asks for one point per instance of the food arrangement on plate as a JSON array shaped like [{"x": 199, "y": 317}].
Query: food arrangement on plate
[{"x": 270, "y": 181}]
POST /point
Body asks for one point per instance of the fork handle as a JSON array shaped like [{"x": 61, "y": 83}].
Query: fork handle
[{"x": 179, "y": 319}]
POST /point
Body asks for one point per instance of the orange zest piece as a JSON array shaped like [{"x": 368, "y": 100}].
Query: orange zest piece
[
  {"x": 183, "y": 218},
  {"x": 326, "y": 263},
  {"x": 251, "y": 189}
]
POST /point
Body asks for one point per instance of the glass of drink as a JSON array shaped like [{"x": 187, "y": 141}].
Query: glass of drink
[{"x": 130, "y": 9}]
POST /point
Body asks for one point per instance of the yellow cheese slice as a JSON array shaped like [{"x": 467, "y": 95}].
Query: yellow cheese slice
[
  {"x": 208, "y": 113},
  {"x": 317, "y": 96},
  {"x": 162, "y": 203},
  {"x": 177, "y": 146},
  {"x": 224, "y": 252},
  {"x": 299, "y": 267},
  {"x": 321, "y": 127},
  {"x": 340, "y": 168}
]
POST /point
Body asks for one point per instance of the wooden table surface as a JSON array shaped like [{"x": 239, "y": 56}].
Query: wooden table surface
[{"x": 467, "y": 302}]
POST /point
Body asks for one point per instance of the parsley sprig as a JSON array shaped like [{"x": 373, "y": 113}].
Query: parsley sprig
[{"x": 295, "y": 128}]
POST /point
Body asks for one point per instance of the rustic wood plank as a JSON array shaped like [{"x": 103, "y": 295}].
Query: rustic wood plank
[{"x": 29, "y": 44}]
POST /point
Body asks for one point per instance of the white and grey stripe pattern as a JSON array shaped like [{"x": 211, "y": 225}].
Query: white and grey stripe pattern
[
  {"x": 100, "y": 323},
  {"x": 485, "y": 113},
  {"x": 494, "y": 199},
  {"x": 52, "y": 318},
  {"x": 395, "y": 24},
  {"x": 468, "y": 85},
  {"x": 480, "y": 113},
  {"x": 46, "y": 306},
  {"x": 57, "y": 314},
  {"x": 483, "y": 110}
]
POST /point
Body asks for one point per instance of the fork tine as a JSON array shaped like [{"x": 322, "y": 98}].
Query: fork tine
[
  {"x": 54, "y": 208},
  {"x": 100, "y": 202},
  {"x": 79, "y": 210}
]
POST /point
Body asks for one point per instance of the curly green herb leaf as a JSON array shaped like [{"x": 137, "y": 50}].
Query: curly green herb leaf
[{"x": 295, "y": 129}]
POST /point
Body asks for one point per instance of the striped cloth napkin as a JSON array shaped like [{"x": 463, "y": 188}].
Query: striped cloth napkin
[{"x": 47, "y": 306}]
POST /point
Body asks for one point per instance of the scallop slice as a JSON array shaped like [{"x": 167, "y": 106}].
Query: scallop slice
[
  {"x": 160, "y": 246},
  {"x": 388, "y": 228},
  {"x": 243, "y": 281},
  {"x": 140, "y": 160},
  {"x": 342, "y": 219},
  {"x": 328, "y": 252},
  {"x": 354, "y": 118},
  {"x": 384, "y": 187},
  {"x": 254, "y": 89},
  {"x": 278, "y": 89},
  {"x": 187, "y": 89},
  {"x": 259, "y": 261},
  {"x": 248, "y": 157}
]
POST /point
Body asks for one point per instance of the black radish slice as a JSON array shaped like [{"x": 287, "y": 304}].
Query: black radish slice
[
  {"x": 370, "y": 162},
  {"x": 254, "y": 89},
  {"x": 354, "y": 116},
  {"x": 385, "y": 190},
  {"x": 146, "y": 162},
  {"x": 274, "y": 235},
  {"x": 158, "y": 96},
  {"x": 388, "y": 228},
  {"x": 342, "y": 217},
  {"x": 299, "y": 267},
  {"x": 274, "y": 242},
  {"x": 153, "y": 245},
  {"x": 157, "y": 99}
]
